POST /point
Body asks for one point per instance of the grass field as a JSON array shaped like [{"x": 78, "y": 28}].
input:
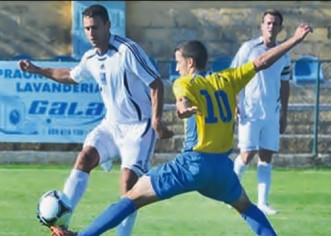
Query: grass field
[{"x": 303, "y": 198}]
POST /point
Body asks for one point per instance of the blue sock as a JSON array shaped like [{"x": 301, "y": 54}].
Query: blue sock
[
  {"x": 257, "y": 221},
  {"x": 109, "y": 218}
]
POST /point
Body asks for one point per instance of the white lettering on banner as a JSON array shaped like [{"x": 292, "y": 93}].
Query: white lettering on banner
[{"x": 37, "y": 109}]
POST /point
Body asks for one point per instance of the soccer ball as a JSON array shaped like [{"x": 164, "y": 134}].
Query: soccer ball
[{"x": 54, "y": 209}]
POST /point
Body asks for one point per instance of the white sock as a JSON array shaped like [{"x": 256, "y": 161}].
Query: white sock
[
  {"x": 126, "y": 226},
  {"x": 75, "y": 186},
  {"x": 239, "y": 167},
  {"x": 264, "y": 182}
]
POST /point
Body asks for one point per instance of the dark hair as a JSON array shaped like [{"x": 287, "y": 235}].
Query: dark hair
[
  {"x": 96, "y": 10},
  {"x": 273, "y": 12},
  {"x": 196, "y": 50}
]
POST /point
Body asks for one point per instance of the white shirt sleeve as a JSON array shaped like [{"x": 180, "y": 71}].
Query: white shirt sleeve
[
  {"x": 241, "y": 56},
  {"x": 80, "y": 73},
  {"x": 140, "y": 65}
]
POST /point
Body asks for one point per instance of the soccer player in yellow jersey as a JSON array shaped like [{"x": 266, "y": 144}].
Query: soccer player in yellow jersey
[{"x": 208, "y": 101}]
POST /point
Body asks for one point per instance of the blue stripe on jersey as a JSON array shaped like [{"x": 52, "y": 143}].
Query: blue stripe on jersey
[
  {"x": 147, "y": 128},
  {"x": 92, "y": 55},
  {"x": 148, "y": 96},
  {"x": 102, "y": 59},
  {"x": 133, "y": 48},
  {"x": 137, "y": 108},
  {"x": 126, "y": 85},
  {"x": 286, "y": 70},
  {"x": 140, "y": 168}
]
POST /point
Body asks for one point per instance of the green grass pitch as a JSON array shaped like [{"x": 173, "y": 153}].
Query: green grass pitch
[{"x": 303, "y": 198}]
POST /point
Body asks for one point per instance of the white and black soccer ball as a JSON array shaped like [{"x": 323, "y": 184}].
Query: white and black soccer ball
[{"x": 54, "y": 209}]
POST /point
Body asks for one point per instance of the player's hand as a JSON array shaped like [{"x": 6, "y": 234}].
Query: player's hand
[
  {"x": 27, "y": 66},
  {"x": 162, "y": 131},
  {"x": 185, "y": 112},
  {"x": 302, "y": 31},
  {"x": 185, "y": 109}
]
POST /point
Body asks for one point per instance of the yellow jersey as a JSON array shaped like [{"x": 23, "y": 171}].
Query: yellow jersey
[{"x": 215, "y": 96}]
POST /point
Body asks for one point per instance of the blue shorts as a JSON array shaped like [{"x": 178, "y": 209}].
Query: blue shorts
[{"x": 211, "y": 175}]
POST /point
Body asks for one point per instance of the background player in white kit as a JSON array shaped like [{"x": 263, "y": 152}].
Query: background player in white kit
[
  {"x": 262, "y": 106},
  {"x": 132, "y": 92}
]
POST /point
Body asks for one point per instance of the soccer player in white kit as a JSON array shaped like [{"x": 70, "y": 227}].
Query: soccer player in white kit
[
  {"x": 262, "y": 107},
  {"x": 132, "y": 92}
]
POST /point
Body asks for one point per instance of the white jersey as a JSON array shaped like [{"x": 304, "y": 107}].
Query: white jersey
[
  {"x": 260, "y": 98},
  {"x": 123, "y": 75}
]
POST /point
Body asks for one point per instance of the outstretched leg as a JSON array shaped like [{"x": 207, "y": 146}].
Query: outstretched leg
[
  {"x": 77, "y": 181},
  {"x": 108, "y": 219},
  {"x": 128, "y": 179},
  {"x": 253, "y": 216},
  {"x": 141, "y": 194}
]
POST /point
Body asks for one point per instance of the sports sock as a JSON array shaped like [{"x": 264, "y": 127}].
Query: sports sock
[
  {"x": 75, "y": 186},
  {"x": 110, "y": 217},
  {"x": 239, "y": 167},
  {"x": 126, "y": 226},
  {"x": 264, "y": 182},
  {"x": 257, "y": 221}
]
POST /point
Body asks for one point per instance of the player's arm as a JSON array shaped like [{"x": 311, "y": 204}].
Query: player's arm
[
  {"x": 157, "y": 97},
  {"x": 184, "y": 108},
  {"x": 60, "y": 75},
  {"x": 269, "y": 57}
]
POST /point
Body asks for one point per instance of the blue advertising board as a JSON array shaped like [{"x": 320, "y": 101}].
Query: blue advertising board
[{"x": 36, "y": 109}]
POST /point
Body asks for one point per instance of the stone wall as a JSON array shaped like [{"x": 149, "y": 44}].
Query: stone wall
[
  {"x": 43, "y": 29},
  {"x": 222, "y": 25}
]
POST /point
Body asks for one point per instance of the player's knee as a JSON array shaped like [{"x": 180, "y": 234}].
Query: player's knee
[
  {"x": 87, "y": 160},
  {"x": 265, "y": 156},
  {"x": 247, "y": 157},
  {"x": 142, "y": 192},
  {"x": 128, "y": 179},
  {"x": 265, "y": 160},
  {"x": 242, "y": 203}
]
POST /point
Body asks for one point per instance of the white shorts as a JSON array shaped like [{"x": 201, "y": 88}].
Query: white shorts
[
  {"x": 258, "y": 134},
  {"x": 133, "y": 143}
]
